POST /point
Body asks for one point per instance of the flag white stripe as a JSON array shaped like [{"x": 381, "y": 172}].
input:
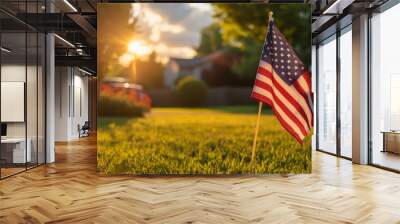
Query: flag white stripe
[
  {"x": 290, "y": 90},
  {"x": 284, "y": 116},
  {"x": 285, "y": 101},
  {"x": 263, "y": 92},
  {"x": 303, "y": 84}
]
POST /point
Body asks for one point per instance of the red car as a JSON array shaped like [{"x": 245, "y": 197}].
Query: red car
[{"x": 120, "y": 86}]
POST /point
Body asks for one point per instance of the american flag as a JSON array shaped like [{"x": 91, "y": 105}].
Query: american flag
[{"x": 284, "y": 83}]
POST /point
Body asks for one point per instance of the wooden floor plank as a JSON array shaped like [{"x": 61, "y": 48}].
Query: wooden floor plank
[{"x": 70, "y": 191}]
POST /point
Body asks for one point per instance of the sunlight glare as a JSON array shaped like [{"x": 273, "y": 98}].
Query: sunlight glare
[
  {"x": 138, "y": 48},
  {"x": 125, "y": 59}
]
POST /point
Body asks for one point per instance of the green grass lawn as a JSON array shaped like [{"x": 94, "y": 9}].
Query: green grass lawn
[{"x": 198, "y": 141}]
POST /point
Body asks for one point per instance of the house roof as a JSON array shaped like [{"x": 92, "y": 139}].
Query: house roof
[{"x": 197, "y": 61}]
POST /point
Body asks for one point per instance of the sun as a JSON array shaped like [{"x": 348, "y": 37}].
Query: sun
[{"x": 138, "y": 48}]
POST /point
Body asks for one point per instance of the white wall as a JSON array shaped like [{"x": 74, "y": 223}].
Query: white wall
[
  {"x": 16, "y": 73},
  {"x": 71, "y": 102},
  {"x": 171, "y": 74},
  {"x": 62, "y": 83},
  {"x": 33, "y": 126}
]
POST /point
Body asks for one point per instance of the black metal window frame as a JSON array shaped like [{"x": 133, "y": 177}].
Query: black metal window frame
[
  {"x": 44, "y": 95},
  {"x": 339, "y": 32}
]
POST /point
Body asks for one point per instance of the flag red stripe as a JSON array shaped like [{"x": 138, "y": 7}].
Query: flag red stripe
[
  {"x": 288, "y": 97},
  {"x": 306, "y": 95},
  {"x": 307, "y": 77},
  {"x": 278, "y": 115},
  {"x": 308, "y": 99},
  {"x": 285, "y": 109},
  {"x": 262, "y": 98},
  {"x": 304, "y": 102}
]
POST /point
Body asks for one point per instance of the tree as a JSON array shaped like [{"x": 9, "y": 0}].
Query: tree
[
  {"x": 244, "y": 27},
  {"x": 150, "y": 72},
  {"x": 211, "y": 40},
  {"x": 116, "y": 27}
]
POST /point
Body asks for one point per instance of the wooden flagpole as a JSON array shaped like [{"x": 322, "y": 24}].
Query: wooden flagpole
[{"x": 253, "y": 153}]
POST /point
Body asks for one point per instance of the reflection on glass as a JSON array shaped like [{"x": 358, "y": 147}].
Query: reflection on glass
[
  {"x": 31, "y": 97},
  {"x": 14, "y": 153},
  {"x": 385, "y": 84},
  {"x": 313, "y": 86},
  {"x": 346, "y": 94},
  {"x": 41, "y": 99},
  {"x": 327, "y": 96},
  {"x": 22, "y": 91}
]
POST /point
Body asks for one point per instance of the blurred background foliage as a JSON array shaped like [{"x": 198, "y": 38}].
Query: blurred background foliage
[
  {"x": 116, "y": 29},
  {"x": 241, "y": 29}
]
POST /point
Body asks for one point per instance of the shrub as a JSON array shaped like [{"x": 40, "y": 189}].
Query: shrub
[
  {"x": 192, "y": 92},
  {"x": 177, "y": 80},
  {"x": 119, "y": 106}
]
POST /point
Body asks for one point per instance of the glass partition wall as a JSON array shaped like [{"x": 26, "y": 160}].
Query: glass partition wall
[
  {"x": 385, "y": 89},
  {"x": 345, "y": 92},
  {"x": 334, "y": 94},
  {"x": 22, "y": 94},
  {"x": 327, "y": 95}
]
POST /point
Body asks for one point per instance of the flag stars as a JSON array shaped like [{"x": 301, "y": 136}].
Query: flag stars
[{"x": 281, "y": 56}]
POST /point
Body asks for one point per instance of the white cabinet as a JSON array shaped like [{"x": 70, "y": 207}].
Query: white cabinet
[{"x": 19, "y": 155}]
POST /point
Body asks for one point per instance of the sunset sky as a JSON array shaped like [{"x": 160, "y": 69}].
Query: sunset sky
[{"x": 172, "y": 30}]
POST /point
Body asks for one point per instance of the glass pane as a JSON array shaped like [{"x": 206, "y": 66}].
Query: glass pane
[
  {"x": 41, "y": 98},
  {"x": 13, "y": 86},
  {"x": 313, "y": 86},
  {"x": 31, "y": 97},
  {"x": 346, "y": 94},
  {"x": 32, "y": 89},
  {"x": 327, "y": 96},
  {"x": 385, "y": 84}
]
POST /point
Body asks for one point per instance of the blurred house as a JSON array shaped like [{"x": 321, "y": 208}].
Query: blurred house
[{"x": 179, "y": 67}]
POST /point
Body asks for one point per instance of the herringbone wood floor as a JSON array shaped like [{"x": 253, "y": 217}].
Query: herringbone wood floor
[{"x": 70, "y": 191}]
